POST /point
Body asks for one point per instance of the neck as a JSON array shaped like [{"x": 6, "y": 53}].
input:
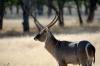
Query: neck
[
  {"x": 51, "y": 42},
  {"x": 51, "y": 39}
]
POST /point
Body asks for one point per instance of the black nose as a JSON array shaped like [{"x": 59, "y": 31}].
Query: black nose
[{"x": 35, "y": 38}]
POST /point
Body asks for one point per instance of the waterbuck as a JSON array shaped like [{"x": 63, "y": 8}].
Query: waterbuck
[{"x": 65, "y": 52}]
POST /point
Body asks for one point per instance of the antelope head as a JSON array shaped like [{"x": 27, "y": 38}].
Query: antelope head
[{"x": 42, "y": 34}]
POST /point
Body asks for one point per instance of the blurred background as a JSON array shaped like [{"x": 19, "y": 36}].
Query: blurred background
[
  {"x": 77, "y": 20},
  {"x": 15, "y": 15}
]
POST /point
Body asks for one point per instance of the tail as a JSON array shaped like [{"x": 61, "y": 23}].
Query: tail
[
  {"x": 93, "y": 53},
  {"x": 90, "y": 52}
]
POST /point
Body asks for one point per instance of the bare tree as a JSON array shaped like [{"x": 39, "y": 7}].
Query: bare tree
[
  {"x": 78, "y": 11},
  {"x": 60, "y": 13},
  {"x": 49, "y": 9},
  {"x": 92, "y": 8},
  {"x": 86, "y": 7},
  {"x": 27, "y": 6},
  {"x": 2, "y": 8},
  {"x": 69, "y": 7}
]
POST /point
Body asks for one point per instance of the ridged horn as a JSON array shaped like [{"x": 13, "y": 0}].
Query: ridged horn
[{"x": 52, "y": 22}]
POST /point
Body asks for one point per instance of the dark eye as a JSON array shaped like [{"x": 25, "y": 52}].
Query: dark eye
[{"x": 38, "y": 35}]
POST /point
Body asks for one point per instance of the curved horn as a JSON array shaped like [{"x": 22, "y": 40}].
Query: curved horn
[
  {"x": 52, "y": 22},
  {"x": 38, "y": 25}
]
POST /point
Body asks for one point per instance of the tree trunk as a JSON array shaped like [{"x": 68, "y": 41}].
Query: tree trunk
[
  {"x": 2, "y": 8},
  {"x": 26, "y": 11},
  {"x": 49, "y": 9},
  {"x": 39, "y": 7},
  {"x": 17, "y": 9},
  {"x": 25, "y": 21},
  {"x": 49, "y": 12},
  {"x": 79, "y": 13},
  {"x": 60, "y": 17},
  {"x": 92, "y": 8},
  {"x": 1, "y": 19},
  {"x": 86, "y": 7},
  {"x": 69, "y": 9}
]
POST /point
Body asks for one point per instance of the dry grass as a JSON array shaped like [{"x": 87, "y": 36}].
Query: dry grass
[
  {"x": 24, "y": 51},
  {"x": 70, "y": 23}
]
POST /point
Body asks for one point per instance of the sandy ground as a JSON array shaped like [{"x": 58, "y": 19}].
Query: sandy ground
[{"x": 24, "y": 51}]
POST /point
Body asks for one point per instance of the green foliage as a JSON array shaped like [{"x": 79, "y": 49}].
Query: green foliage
[
  {"x": 12, "y": 2},
  {"x": 98, "y": 1}
]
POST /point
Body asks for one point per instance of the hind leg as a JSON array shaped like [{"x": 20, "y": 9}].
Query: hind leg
[
  {"x": 90, "y": 64},
  {"x": 62, "y": 63},
  {"x": 84, "y": 65}
]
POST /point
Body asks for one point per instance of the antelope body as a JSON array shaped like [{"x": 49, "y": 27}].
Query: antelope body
[{"x": 66, "y": 52}]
